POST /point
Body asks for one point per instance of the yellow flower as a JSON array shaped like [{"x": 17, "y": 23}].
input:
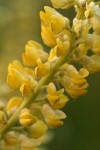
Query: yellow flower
[
  {"x": 53, "y": 24},
  {"x": 62, "y": 3},
  {"x": 33, "y": 51},
  {"x": 81, "y": 50},
  {"x": 92, "y": 64},
  {"x": 73, "y": 81},
  {"x": 81, "y": 27},
  {"x": 26, "y": 118},
  {"x": 20, "y": 77},
  {"x": 91, "y": 10},
  {"x": 56, "y": 98},
  {"x": 47, "y": 36},
  {"x": 75, "y": 91},
  {"x": 61, "y": 49},
  {"x": 30, "y": 144},
  {"x": 26, "y": 88},
  {"x": 15, "y": 75},
  {"x": 38, "y": 129},
  {"x": 42, "y": 69},
  {"x": 11, "y": 139},
  {"x": 52, "y": 117},
  {"x": 93, "y": 40},
  {"x": 13, "y": 104},
  {"x": 54, "y": 20}
]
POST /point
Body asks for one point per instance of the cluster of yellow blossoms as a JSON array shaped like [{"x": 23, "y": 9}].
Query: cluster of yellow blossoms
[{"x": 46, "y": 79}]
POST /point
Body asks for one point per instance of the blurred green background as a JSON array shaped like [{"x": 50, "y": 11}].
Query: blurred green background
[{"x": 19, "y": 22}]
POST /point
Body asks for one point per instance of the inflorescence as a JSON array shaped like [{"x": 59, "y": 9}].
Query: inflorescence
[{"x": 47, "y": 80}]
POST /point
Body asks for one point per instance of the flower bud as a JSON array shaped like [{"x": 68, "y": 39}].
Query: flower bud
[
  {"x": 53, "y": 26},
  {"x": 52, "y": 117},
  {"x": 13, "y": 104},
  {"x": 30, "y": 144},
  {"x": 26, "y": 118},
  {"x": 61, "y": 49},
  {"x": 42, "y": 69},
  {"x": 92, "y": 64},
  {"x": 28, "y": 87},
  {"x": 33, "y": 51},
  {"x": 73, "y": 81},
  {"x": 11, "y": 138},
  {"x": 38, "y": 129},
  {"x": 56, "y": 98},
  {"x": 62, "y": 3}
]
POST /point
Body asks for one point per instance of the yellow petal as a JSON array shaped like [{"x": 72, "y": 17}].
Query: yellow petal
[
  {"x": 51, "y": 89},
  {"x": 13, "y": 104},
  {"x": 28, "y": 87},
  {"x": 42, "y": 69},
  {"x": 34, "y": 50},
  {"x": 52, "y": 117},
  {"x": 38, "y": 129},
  {"x": 11, "y": 139},
  {"x": 62, "y": 3},
  {"x": 26, "y": 118},
  {"x": 48, "y": 36},
  {"x": 60, "y": 103}
]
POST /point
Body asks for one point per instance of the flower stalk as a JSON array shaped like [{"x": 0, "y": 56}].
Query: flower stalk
[{"x": 45, "y": 80}]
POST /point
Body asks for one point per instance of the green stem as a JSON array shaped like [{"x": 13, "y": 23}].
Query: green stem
[
  {"x": 80, "y": 14},
  {"x": 20, "y": 128},
  {"x": 45, "y": 80}
]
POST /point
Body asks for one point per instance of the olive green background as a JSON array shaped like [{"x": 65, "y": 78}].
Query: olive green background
[{"x": 19, "y": 22}]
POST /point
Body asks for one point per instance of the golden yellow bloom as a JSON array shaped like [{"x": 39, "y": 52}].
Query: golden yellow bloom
[
  {"x": 53, "y": 24},
  {"x": 91, "y": 10},
  {"x": 20, "y": 77},
  {"x": 93, "y": 40},
  {"x": 38, "y": 129},
  {"x": 15, "y": 75},
  {"x": 48, "y": 36},
  {"x": 56, "y": 98},
  {"x": 74, "y": 82},
  {"x": 81, "y": 50},
  {"x": 26, "y": 118},
  {"x": 42, "y": 69},
  {"x": 75, "y": 92},
  {"x": 50, "y": 76},
  {"x": 92, "y": 13},
  {"x": 33, "y": 51},
  {"x": 54, "y": 20},
  {"x": 81, "y": 27},
  {"x": 30, "y": 144},
  {"x": 52, "y": 117},
  {"x": 61, "y": 49},
  {"x": 77, "y": 75},
  {"x": 13, "y": 104},
  {"x": 62, "y": 3},
  {"x": 26, "y": 88},
  {"x": 11, "y": 138},
  {"x": 91, "y": 63}
]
